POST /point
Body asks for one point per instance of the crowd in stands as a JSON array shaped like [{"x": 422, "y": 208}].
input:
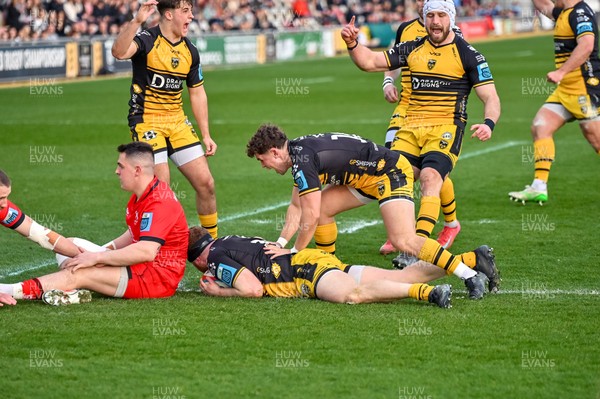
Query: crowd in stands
[{"x": 26, "y": 20}]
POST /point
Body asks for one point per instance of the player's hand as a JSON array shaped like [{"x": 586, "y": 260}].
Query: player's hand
[
  {"x": 390, "y": 93},
  {"x": 555, "y": 76},
  {"x": 208, "y": 286},
  {"x": 350, "y": 32},
  {"x": 84, "y": 259},
  {"x": 145, "y": 11},
  {"x": 6, "y": 299},
  {"x": 210, "y": 146},
  {"x": 275, "y": 250},
  {"x": 481, "y": 131}
]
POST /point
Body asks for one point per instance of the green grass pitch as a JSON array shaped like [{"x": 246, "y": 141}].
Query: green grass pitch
[{"x": 538, "y": 338}]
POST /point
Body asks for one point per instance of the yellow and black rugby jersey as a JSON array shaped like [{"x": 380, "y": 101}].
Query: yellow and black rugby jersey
[
  {"x": 229, "y": 255},
  {"x": 441, "y": 79},
  {"x": 409, "y": 31},
  {"x": 572, "y": 23},
  {"x": 159, "y": 70},
  {"x": 338, "y": 159}
]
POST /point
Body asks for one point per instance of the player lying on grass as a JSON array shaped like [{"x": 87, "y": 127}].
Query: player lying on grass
[
  {"x": 248, "y": 271},
  {"x": 13, "y": 218},
  {"x": 147, "y": 261},
  {"x": 336, "y": 172}
]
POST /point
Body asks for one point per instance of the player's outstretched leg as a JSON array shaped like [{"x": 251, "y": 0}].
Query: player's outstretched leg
[{"x": 441, "y": 295}]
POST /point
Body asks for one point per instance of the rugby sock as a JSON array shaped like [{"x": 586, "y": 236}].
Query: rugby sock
[
  {"x": 433, "y": 252},
  {"x": 448, "y": 202},
  {"x": 543, "y": 155},
  {"x": 209, "y": 222},
  {"x": 469, "y": 259},
  {"x": 325, "y": 237},
  {"x": 30, "y": 289},
  {"x": 428, "y": 214},
  {"x": 419, "y": 291}
]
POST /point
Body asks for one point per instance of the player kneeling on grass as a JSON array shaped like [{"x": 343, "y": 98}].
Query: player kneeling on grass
[
  {"x": 242, "y": 264},
  {"x": 147, "y": 261}
]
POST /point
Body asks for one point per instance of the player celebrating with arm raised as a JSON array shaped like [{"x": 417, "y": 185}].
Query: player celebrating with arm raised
[
  {"x": 577, "y": 96},
  {"x": 356, "y": 172},
  {"x": 162, "y": 59},
  {"x": 408, "y": 31},
  {"x": 443, "y": 69}
]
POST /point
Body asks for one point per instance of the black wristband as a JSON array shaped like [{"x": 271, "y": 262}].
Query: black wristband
[
  {"x": 353, "y": 47},
  {"x": 489, "y": 123}
]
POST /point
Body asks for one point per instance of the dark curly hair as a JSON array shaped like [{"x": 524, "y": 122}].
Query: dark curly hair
[
  {"x": 266, "y": 137},
  {"x": 164, "y": 5}
]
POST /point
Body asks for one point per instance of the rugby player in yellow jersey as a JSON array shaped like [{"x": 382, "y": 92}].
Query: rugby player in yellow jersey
[
  {"x": 577, "y": 96},
  {"x": 356, "y": 171},
  {"x": 408, "y": 31},
  {"x": 242, "y": 264},
  {"x": 162, "y": 59},
  {"x": 443, "y": 69}
]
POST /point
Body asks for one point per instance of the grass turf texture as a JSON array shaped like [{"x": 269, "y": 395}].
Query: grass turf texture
[{"x": 537, "y": 339}]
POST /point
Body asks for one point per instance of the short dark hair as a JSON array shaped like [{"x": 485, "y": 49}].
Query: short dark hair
[
  {"x": 4, "y": 179},
  {"x": 164, "y": 5},
  {"x": 198, "y": 240},
  {"x": 135, "y": 148},
  {"x": 266, "y": 137}
]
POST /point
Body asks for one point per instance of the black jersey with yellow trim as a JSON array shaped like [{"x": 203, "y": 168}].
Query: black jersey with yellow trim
[
  {"x": 441, "y": 79},
  {"x": 229, "y": 255},
  {"x": 410, "y": 31},
  {"x": 159, "y": 70},
  {"x": 571, "y": 24},
  {"x": 337, "y": 159}
]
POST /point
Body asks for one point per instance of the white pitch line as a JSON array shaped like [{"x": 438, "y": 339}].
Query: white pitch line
[
  {"x": 254, "y": 212},
  {"x": 24, "y": 269},
  {"x": 358, "y": 226},
  {"x": 583, "y": 291},
  {"x": 495, "y": 148}
]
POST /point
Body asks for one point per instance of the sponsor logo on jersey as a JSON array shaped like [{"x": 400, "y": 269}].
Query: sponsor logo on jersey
[
  {"x": 593, "y": 81},
  {"x": 11, "y": 216},
  {"x": 359, "y": 163},
  {"x": 136, "y": 88},
  {"x": 484, "y": 71},
  {"x": 301, "y": 181},
  {"x": 160, "y": 82},
  {"x": 380, "y": 165},
  {"x": 225, "y": 273},
  {"x": 431, "y": 64},
  {"x": 447, "y": 136},
  {"x": 418, "y": 83},
  {"x": 146, "y": 222},
  {"x": 584, "y": 27},
  {"x": 581, "y": 100}
]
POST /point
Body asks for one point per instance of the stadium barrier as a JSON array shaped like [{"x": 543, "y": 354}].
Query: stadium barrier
[{"x": 68, "y": 58}]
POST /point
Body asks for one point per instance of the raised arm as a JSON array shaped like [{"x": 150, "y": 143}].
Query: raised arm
[
  {"x": 364, "y": 58},
  {"x": 124, "y": 47},
  {"x": 545, "y": 7}
]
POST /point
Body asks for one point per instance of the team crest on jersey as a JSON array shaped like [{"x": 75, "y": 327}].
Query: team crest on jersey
[
  {"x": 305, "y": 290},
  {"x": 431, "y": 64},
  {"x": 146, "y": 222},
  {"x": 276, "y": 270},
  {"x": 149, "y": 135},
  {"x": 380, "y": 188},
  {"x": 174, "y": 62},
  {"x": 443, "y": 144},
  {"x": 447, "y": 136}
]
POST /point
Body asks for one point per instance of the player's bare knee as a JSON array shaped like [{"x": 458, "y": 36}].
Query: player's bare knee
[{"x": 354, "y": 297}]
